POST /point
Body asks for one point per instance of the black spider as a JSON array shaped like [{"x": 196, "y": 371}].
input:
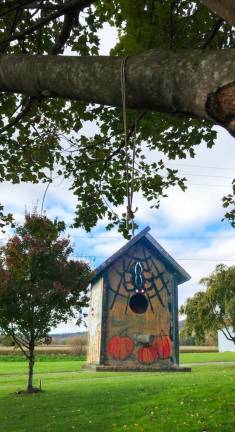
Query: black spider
[{"x": 139, "y": 278}]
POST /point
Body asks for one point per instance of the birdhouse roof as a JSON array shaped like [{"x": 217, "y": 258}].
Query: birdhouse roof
[{"x": 156, "y": 249}]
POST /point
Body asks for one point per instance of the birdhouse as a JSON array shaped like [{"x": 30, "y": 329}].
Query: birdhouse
[{"x": 133, "y": 318}]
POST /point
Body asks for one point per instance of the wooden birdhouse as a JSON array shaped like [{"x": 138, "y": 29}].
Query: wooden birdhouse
[{"x": 133, "y": 318}]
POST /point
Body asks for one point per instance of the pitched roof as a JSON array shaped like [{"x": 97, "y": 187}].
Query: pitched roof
[{"x": 182, "y": 275}]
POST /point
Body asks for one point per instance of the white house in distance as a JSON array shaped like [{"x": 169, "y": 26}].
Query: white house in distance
[{"x": 224, "y": 344}]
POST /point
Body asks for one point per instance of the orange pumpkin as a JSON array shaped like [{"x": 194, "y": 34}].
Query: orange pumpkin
[
  {"x": 147, "y": 355},
  {"x": 120, "y": 347},
  {"x": 163, "y": 346}
]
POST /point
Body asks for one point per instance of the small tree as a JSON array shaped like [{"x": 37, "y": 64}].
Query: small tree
[
  {"x": 213, "y": 309},
  {"x": 39, "y": 285}
]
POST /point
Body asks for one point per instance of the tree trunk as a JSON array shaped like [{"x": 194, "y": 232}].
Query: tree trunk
[
  {"x": 223, "y": 8},
  {"x": 30, "y": 388},
  {"x": 191, "y": 83}
]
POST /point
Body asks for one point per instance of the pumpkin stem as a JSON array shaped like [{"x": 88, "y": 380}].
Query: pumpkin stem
[
  {"x": 145, "y": 344},
  {"x": 123, "y": 332}
]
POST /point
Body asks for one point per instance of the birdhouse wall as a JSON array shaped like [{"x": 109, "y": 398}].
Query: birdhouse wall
[
  {"x": 130, "y": 338},
  {"x": 95, "y": 322}
]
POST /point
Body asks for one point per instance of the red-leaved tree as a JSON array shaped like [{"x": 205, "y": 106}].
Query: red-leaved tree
[{"x": 40, "y": 286}]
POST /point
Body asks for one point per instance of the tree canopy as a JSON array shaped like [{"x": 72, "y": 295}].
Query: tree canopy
[
  {"x": 40, "y": 286},
  {"x": 178, "y": 69},
  {"x": 213, "y": 309}
]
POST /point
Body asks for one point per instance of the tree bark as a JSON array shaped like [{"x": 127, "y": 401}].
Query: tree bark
[
  {"x": 223, "y": 8},
  {"x": 30, "y": 388},
  {"x": 193, "y": 83}
]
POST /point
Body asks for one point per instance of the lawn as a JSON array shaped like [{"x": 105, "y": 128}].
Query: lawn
[
  {"x": 207, "y": 357},
  {"x": 82, "y": 401}
]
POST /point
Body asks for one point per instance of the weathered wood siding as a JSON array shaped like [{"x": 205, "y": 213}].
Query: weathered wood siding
[{"x": 95, "y": 322}]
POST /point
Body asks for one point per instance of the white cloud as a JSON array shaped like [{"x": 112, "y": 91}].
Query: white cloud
[
  {"x": 192, "y": 209},
  {"x": 108, "y": 39},
  {"x": 200, "y": 260}
]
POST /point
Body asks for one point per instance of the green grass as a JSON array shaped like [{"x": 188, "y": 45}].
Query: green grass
[
  {"x": 82, "y": 401},
  {"x": 184, "y": 357},
  {"x": 207, "y": 357},
  {"x": 41, "y": 357},
  {"x": 19, "y": 368}
]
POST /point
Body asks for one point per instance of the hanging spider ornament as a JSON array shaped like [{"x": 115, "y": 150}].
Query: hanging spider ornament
[
  {"x": 138, "y": 301},
  {"x": 140, "y": 280}
]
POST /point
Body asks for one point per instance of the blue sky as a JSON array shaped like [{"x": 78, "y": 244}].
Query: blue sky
[{"x": 188, "y": 224}]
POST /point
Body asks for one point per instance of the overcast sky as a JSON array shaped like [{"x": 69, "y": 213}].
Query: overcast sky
[{"x": 188, "y": 224}]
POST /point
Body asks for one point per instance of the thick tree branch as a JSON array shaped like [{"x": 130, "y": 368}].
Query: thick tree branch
[
  {"x": 223, "y": 8},
  {"x": 229, "y": 335},
  {"x": 72, "y": 4},
  {"x": 12, "y": 26},
  {"x": 194, "y": 83},
  {"x": 15, "y": 120},
  {"x": 12, "y": 6},
  {"x": 21, "y": 348},
  {"x": 22, "y": 341},
  {"x": 29, "y": 4},
  {"x": 213, "y": 33},
  {"x": 17, "y": 341},
  {"x": 56, "y": 48},
  {"x": 64, "y": 34}
]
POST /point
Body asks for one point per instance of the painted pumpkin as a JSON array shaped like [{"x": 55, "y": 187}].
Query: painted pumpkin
[
  {"x": 120, "y": 347},
  {"x": 147, "y": 355},
  {"x": 163, "y": 346}
]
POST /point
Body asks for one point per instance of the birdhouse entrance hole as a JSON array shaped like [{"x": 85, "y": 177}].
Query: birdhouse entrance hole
[{"x": 138, "y": 303}]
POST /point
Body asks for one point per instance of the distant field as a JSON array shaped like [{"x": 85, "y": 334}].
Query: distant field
[
  {"x": 195, "y": 348},
  {"x": 43, "y": 349},
  {"x": 79, "y": 401}
]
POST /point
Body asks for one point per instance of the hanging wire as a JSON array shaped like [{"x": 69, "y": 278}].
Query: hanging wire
[
  {"x": 129, "y": 182},
  {"x": 123, "y": 89},
  {"x": 45, "y": 192},
  {"x": 133, "y": 179}
]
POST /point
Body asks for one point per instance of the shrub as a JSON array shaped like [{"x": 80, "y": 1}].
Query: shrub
[{"x": 78, "y": 344}]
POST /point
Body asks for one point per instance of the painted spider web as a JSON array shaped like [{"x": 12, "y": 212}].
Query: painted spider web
[{"x": 126, "y": 286}]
